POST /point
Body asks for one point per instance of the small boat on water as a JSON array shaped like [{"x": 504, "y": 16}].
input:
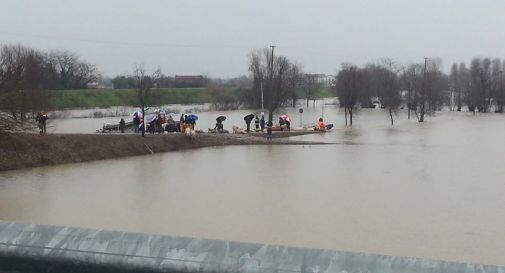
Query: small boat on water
[{"x": 113, "y": 127}]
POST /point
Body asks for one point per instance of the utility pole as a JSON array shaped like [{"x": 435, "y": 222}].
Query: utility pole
[
  {"x": 270, "y": 114},
  {"x": 261, "y": 86}
]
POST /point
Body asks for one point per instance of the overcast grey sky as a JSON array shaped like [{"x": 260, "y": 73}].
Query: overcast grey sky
[{"x": 213, "y": 37}]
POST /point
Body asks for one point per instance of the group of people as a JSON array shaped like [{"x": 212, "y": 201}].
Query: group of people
[
  {"x": 160, "y": 123},
  {"x": 260, "y": 124}
]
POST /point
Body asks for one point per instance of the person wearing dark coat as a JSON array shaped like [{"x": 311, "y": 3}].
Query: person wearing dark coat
[
  {"x": 248, "y": 120},
  {"x": 152, "y": 126},
  {"x": 282, "y": 122},
  {"x": 159, "y": 124},
  {"x": 42, "y": 119},
  {"x": 262, "y": 123},
  {"x": 136, "y": 123},
  {"x": 219, "y": 127},
  {"x": 171, "y": 125},
  {"x": 122, "y": 125},
  {"x": 181, "y": 123}
]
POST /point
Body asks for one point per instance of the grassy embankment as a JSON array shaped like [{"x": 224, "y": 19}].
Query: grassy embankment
[
  {"x": 103, "y": 98},
  {"x": 91, "y": 98}
]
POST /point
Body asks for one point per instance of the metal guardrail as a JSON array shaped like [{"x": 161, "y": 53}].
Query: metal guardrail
[{"x": 24, "y": 247}]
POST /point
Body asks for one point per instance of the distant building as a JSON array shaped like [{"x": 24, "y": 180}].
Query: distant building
[{"x": 190, "y": 81}]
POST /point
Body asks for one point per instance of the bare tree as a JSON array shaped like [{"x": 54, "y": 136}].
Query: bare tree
[
  {"x": 437, "y": 86},
  {"x": 311, "y": 86},
  {"x": 294, "y": 82},
  {"x": 280, "y": 83},
  {"x": 497, "y": 85},
  {"x": 485, "y": 81},
  {"x": 476, "y": 89},
  {"x": 459, "y": 83},
  {"x": 500, "y": 94},
  {"x": 431, "y": 96},
  {"x": 12, "y": 69},
  {"x": 275, "y": 76},
  {"x": 388, "y": 84},
  {"x": 455, "y": 86},
  {"x": 143, "y": 83},
  {"x": 412, "y": 80},
  {"x": 259, "y": 68},
  {"x": 72, "y": 72},
  {"x": 348, "y": 89},
  {"x": 22, "y": 78}
]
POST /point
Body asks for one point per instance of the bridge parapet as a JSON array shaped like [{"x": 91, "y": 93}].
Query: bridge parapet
[{"x": 44, "y": 248}]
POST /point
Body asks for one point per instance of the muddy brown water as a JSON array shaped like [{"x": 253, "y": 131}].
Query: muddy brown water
[{"x": 433, "y": 190}]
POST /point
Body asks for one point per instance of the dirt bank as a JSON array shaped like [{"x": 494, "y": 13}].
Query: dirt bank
[{"x": 32, "y": 150}]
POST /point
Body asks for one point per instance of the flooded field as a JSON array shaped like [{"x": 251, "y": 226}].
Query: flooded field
[{"x": 433, "y": 190}]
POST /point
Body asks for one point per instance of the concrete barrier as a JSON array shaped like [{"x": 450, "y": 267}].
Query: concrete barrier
[{"x": 43, "y": 248}]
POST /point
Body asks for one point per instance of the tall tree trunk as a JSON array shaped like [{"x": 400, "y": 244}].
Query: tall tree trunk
[
  {"x": 409, "y": 103},
  {"x": 422, "y": 112},
  {"x": 345, "y": 115},
  {"x": 350, "y": 117},
  {"x": 391, "y": 116}
]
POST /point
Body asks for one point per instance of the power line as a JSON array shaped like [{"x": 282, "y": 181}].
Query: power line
[
  {"x": 163, "y": 45},
  {"x": 122, "y": 43}
]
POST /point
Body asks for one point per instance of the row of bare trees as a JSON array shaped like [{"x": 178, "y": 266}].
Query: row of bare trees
[
  {"x": 275, "y": 78},
  {"x": 422, "y": 88},
  {"x": 479, "y": 86},
  {"x": 26, "y": 73},
  {"x": 278, "y": 82}
]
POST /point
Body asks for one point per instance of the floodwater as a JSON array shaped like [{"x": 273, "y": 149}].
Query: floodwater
[{"x": 433, "y": 190}]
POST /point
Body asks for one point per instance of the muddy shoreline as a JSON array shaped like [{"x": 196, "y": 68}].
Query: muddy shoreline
[{"x": 21, "y": 150}]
